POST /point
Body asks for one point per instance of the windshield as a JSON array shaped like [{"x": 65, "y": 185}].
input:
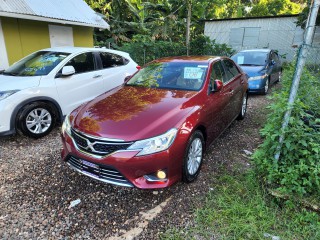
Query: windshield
[
  {"x": 250, "y": 58},
  {"x": 171, "y": 75},
  {"x": 36, "y": 64}
]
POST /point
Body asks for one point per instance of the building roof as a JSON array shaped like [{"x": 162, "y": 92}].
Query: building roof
[
  {"x": 246, "y": 18},
  {"x": 74, "y": 12}
]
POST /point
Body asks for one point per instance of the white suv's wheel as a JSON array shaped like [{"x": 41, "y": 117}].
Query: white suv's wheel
[{"x": 36, "y": 120}]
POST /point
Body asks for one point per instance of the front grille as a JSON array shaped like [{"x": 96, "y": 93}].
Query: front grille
[
  {"x": 98, "y": 171},
  {"x": 97, "y": 146}
]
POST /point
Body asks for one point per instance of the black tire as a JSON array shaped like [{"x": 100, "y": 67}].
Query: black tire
[
  {"x": 266, "y": 87},
  {"x": 193, "y": 157},
  {"x": 243, "y": 109},
  {"x": 41, "y": 117}
]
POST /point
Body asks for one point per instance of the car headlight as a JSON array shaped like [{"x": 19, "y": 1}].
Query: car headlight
[
  {"x": 155, "y": 144},
  {"x": 6, "y": 94},
  {"x": 66, "y": 126},
  {"x": 258, "y": 77}
]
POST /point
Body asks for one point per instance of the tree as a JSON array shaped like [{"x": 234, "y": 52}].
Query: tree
[
  {"x": 274, "y": 7},
  {"x": 303, "y": 16}
]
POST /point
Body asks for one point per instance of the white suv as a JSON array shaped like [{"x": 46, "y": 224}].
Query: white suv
[{"x": 39, "y": 90}]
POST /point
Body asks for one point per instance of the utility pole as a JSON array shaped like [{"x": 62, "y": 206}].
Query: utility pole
[
  {"x": 309, "y": 33},
  {"x": 188, "y": 25}
]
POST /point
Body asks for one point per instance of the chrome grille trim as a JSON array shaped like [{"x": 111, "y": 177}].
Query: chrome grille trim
[
  {"x": 95, "y": 146},
  {"x": 99, "y": 138},
  {"x": 99, "y": 172}
]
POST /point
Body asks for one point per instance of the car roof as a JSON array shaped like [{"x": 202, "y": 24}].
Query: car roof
[
  {"x": 204, "y": 59},
  {"x": 257, "y": 50},
  {"x": 83, "y": 49}
]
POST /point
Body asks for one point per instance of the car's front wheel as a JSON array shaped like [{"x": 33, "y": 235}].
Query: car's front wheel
[
  {"x": 36, "y": 119},
  {"x": 193, "y": 157}
]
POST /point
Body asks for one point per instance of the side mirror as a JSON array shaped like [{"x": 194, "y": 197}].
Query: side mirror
[
  {"x": 217, "y": 85},
  {"x": 68, "y": 71}
]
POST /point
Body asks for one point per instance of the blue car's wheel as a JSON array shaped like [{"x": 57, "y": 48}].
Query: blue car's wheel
[{"x": 266, "y": 87}]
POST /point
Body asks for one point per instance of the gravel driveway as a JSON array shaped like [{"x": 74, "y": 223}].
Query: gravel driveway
[{"x": 37, "y": 189}]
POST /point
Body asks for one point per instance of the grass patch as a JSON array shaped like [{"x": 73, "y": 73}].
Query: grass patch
[{"x": 237, "y": 208}]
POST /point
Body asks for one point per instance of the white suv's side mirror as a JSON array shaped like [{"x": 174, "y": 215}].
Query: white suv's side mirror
[{"x": 68, "y": 70}]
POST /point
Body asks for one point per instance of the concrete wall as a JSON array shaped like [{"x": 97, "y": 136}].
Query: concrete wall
[{"x": 280, "y": 33}]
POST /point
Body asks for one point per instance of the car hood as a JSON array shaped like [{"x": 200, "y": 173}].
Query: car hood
[
  {"x": 133, "y": 113},
  {"x": 253, "y": 70},
  {"x": 14, "y": 82}
]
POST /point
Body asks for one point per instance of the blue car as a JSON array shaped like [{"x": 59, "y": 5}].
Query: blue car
[{"x": 263, "y": 66}]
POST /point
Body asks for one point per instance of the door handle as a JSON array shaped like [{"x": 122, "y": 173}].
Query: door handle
[{"x": 97, "y": 76}]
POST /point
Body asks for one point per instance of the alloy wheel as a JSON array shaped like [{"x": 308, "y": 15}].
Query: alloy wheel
[
  {"x": 194, "y": 156},
  {"x": 38, "y": 120}
]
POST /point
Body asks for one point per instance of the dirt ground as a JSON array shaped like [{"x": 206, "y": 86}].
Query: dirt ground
[{"x": 37, "y": 188}]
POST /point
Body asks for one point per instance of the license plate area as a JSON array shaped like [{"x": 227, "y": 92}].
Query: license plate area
[{"x": 90, "y": 168}]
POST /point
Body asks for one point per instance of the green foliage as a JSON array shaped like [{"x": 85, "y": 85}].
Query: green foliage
[
  {"x": 237, "y": 208},
  {"x": 303, "y": 16},
  {"x": 144, "y": 49},
  {"x": 274, "y": 8},
  {"x": 202, "y": 45},
  {"x": 298, "y": 169},
  {"x": 165, "y": 19}
]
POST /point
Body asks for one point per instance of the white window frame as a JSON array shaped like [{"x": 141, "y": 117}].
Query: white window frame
[{"x": 61, "y": 36}]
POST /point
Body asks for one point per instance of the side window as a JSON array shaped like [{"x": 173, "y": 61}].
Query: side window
[
  {"x": 275, "y": 57},
  {"x": 217, "y": 72},
  {"x": 82, "y": 63},
  {"x": 112, "y": 60},
  {"x": 231, "y": 70}
]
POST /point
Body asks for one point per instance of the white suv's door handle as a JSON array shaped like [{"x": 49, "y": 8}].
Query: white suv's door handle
[{"x": 97, "y": 76}]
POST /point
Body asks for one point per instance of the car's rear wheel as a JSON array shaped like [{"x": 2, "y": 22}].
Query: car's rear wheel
[
  {"x": 266, "y": 87},
  {"x": 244, "y": 104},
  {"x": 193, "y": 157},
  {"x": 280, "y": 76},
  {"x": 36, "y": 119}
]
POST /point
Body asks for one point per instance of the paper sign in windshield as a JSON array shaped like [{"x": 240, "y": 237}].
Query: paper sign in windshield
[
  {"x": 240, "y": 60},
  {"x": 193, "y": 72}
]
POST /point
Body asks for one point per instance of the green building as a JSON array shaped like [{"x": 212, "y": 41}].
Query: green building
[{"x": 30, "y": 25}]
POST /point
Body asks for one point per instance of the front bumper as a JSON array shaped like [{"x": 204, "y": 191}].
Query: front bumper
[
  {"x": 6, "y": 111},
  {"x": 256, "y": 86},
  {"x": 124, "y": 168}
]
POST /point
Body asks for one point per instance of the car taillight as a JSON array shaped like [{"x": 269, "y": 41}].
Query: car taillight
[{"x": 138, "y": 67}]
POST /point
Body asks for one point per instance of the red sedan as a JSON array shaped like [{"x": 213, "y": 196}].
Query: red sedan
[{"x": 153, "y": 130}]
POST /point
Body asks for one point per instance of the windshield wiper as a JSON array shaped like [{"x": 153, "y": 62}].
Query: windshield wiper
[
  {"x": 10, "y": 74},
  {"x": 250, "y": 64}
]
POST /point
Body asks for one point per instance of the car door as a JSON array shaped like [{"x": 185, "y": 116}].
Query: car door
[
  {"x": 276, "y": 66},
  {"x": 113, "y": 69},
  {"x": 82, "y": 86},
  {"x": 233, "y": 85},
  {"x": 273, "y": 63},
  {"x": 216, "y": 105}
]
